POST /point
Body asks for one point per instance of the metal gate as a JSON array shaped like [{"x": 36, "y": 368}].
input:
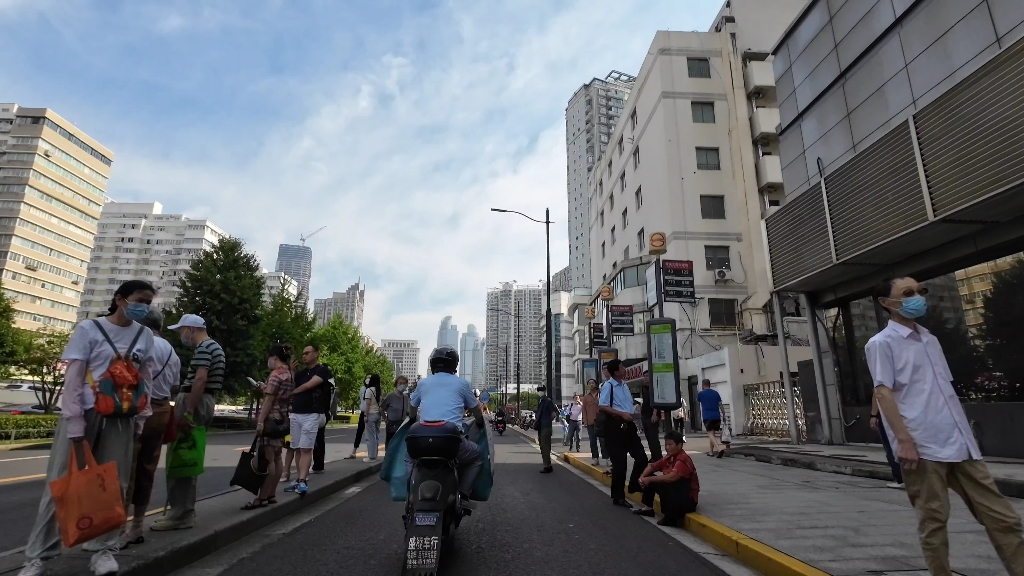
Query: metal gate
[{"x": 766, "y": 410}]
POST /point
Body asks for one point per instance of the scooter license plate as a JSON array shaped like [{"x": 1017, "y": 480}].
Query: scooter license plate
[{"x": 426, "y": 519}]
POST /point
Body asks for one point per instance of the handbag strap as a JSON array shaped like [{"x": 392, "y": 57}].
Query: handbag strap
[
  {"x": 131, "y": 346},
  {"x": 169, "y": 354}
]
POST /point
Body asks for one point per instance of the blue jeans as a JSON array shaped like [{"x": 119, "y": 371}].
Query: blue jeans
[
  {"x": 897, "y": 473},
  {"x": 595, "y": 442}
]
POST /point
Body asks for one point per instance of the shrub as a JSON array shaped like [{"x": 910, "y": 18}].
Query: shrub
[{"x": 27, "y": 426}]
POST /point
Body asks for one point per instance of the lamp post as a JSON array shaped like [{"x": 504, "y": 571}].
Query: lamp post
[
  {"x": 515, "y": 316},
  {"x": 547, "y": 314}
]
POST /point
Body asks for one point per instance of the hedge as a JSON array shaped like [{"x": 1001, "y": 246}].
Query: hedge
[{"x": 27, "y": 426}]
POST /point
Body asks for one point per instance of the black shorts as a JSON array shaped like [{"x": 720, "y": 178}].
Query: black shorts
[{"x": 713, "y": 425}]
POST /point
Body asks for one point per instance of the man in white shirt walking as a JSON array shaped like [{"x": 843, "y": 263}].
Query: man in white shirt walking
[
  {"x": 930, "y": 433},
  {"x": 573, "y": 417}
]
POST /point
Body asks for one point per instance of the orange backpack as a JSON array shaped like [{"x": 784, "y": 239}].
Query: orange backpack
[{"x": 120, "y": 390}]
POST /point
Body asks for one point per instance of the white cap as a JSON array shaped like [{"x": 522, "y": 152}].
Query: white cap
[{"x": 189, "y": 321}]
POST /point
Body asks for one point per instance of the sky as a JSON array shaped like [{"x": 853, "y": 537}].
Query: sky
[{"x": 396, "y": 125}]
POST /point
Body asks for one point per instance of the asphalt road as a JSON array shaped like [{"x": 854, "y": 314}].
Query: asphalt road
[
  {"x": 533, "y": 524},
  {"x": 22, "y": 479}
]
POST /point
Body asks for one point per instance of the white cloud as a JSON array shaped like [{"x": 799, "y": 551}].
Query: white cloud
[{"x": 403, "y": 152}]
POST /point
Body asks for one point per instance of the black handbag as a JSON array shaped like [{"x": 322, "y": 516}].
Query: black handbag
[
  {"x": 276, "y": 428},
  {"x": 602, "y": 421},
  {"x": 251, "y": 471}
]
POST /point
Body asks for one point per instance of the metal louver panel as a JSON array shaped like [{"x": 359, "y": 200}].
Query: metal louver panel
[
  {"x": 876, "y": 195},
  {"x": 972, "y": 137},
  {"x": 798, "y": 238}
]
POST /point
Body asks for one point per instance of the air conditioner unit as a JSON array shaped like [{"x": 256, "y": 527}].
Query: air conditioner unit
[
  {"x": 47, "y": 153},
  {"x": 723, "y": 275},
  {"x": 76, "y": 282}
]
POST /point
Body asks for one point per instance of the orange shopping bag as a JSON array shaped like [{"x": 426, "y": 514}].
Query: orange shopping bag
[{"x": 88, "y": 501}]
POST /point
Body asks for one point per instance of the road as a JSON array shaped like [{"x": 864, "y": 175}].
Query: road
[
  {"x": 22, "y": 478},
  {"x": 533, "y": 524}
]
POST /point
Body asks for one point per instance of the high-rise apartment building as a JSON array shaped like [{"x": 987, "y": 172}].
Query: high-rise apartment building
[
  {"x": 975, "y": 283},
  {"x": 297, "y": 262},
  {"x": 137, "y": 241},
  {"x": 277, "y": 281},
  {"x": 404, "y": 356},
  {"x": 448, "y": 333},
  {"x": 479, "y": 371},
  {"x": 348, "y": 304},
  {"x": 513, "y": 309},
  {"x": 590, "y": 117},
  {"x": 53, "y": 182},
  {"x": 470, "y": 341}
]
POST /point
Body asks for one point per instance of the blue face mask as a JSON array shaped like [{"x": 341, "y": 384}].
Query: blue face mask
[
  {"x": 136, "y": 311},
  {"x": 914, "y": 307},
  {"x": 184, "y": 340}
]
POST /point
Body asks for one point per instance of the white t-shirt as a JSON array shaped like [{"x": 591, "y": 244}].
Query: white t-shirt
[
  {"x": 371, "y": 406},
  {"x": 88, "y": 344},
  {"x": 171, "y": 372}
]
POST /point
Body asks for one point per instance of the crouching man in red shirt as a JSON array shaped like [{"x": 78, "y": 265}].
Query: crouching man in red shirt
[{"x": 676, "y": 486}]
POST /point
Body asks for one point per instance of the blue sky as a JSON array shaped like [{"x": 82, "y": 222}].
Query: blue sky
[{"x": 395, "y": 124}]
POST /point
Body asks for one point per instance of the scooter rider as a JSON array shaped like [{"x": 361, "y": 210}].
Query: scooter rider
[{"x": 443, "y": 396}]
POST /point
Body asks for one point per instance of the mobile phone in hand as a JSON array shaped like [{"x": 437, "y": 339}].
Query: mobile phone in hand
[{"x": 254, "y": 383}]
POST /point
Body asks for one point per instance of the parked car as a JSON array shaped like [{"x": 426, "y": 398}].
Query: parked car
[{"x": 27, "y": 409}]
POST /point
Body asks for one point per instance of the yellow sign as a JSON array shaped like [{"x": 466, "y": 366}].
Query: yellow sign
[
  {"x": 591, "y": 312},
  {"x": 657, "y": 244},
  {"x": 606, "y": 292}
]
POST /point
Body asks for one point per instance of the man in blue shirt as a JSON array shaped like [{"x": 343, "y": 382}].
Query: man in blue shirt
[
  {"x": 546, "y": 412},
  {"x": 444, "y": 397},
  {"x": 711, "y": 411},
  {"x": 620, "y": 433}
]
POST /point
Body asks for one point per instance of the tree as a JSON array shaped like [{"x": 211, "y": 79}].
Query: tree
[
  {"x": 225, "y": 287},
  {"x": 40, "y": 359},
  {"x": 1001, "y": 332},
  {"x": 350, "y": 358},
  {"x": 9, "y": 336},
  {"x": 285, "y": 320}
]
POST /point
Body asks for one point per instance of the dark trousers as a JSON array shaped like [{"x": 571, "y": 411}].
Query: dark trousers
[
  {"x": 319, "y": 449},
  {"x": 623, "y": 439},
  {"x": 678, "y": 424},
  {"x": 390, "y": 427},
  {"x": 651, "y": 432},
  {"x": 359, "y": 431},
  {"x": 897, "y": 473},
  {"x": 675, "y": 498},
  {"x": 596, "y": 442}
]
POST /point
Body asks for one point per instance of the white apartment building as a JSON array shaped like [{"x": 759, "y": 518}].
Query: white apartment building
[
  {"x": 277, "y": 281},
  {"x": 404, "y": 356},
  {"x": 695, "y": 156},
  {"x": 515, "y": 308},
  {"x": 139, "y": 241},
  {"x": 591, "y": 115},
  {"x": 348, "y": 304}
]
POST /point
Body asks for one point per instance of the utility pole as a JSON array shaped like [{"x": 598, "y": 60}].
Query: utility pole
[{"x": 549, "y": 329}]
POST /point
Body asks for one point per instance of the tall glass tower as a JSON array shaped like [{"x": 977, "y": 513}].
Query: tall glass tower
[{"x": 296, "y": 261}]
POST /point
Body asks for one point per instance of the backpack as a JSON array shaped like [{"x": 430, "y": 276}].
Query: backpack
[{"x": 120, "y": 390}]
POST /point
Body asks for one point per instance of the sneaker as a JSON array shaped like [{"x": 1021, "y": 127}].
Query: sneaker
[
  {"x": 316, "y": 471},
  {"x": 896, "y": 486},
  {"x": 103, "y": 563},
  {"x": 292, "y": 487},
  {"x": 368, "y": 460},
  {"x": 608, "y": 462},
  {"x": 596, "y": 462},
  {"x": 167, "y": 525},
  {"x": 33, "y": 568},
  {"x": 93, "y": 546},
  {"x": 132, "y": 536},
  {"x": 302, "y": 488},
  {"x": 285, "y": 479}
]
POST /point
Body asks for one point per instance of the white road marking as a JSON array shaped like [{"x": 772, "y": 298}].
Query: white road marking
[{"x": 23, "y": 458}]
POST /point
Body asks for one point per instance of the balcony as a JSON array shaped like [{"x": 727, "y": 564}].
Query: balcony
[
  {"x": 769, "y": 174},
  {"x": 764, "y": 125},
  {"x": 759, "y": 79}
]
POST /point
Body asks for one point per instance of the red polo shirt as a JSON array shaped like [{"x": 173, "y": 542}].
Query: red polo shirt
[{"x": 683, "y": 466}]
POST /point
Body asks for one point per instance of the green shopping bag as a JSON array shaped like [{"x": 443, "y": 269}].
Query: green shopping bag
[{"x": 186, "y": 454}]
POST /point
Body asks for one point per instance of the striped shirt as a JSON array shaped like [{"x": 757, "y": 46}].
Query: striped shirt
[{"x": 208, "y": 355}]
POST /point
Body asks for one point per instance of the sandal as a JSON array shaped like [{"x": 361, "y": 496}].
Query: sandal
[
  {"x": 255, "y": 504},
  {"x": 271, "y": 500}
]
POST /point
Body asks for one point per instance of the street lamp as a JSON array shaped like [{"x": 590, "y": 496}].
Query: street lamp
[
  {"x": 547, "y": 315},
  {"x": 518, "y": 390}
]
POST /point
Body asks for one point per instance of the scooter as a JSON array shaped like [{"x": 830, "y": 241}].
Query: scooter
[{"x": 499, "y": 425}]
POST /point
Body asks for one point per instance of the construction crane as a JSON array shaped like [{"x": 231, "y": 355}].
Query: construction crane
[{"x": 310, "y": 235}]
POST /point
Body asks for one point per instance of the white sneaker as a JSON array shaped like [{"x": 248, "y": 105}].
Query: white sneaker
[
  {"x": 93, "y": 546},
  {"x": 103, "y": 563},
  {"x": 896, "y": 486},
  {"x": 608, "y": 462},
  {"x": 368, "y": 460},
  {"x": 595, "y": 462},
  {"x": 33, "y": 568}
]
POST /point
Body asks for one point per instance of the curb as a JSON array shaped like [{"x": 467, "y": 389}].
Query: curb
[
  {"x": 752, "y": 553},
  {"x": 40, "y": 445}
]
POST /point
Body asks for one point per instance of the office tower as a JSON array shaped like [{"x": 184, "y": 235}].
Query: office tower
[
  {"x": 478, "y": 364},
  {"x": 348, "y": 304},
  {"x": 136, "y": 240},
  {"x": 470, "y": 342},
  {"x": 515, "y": 308},
  {"x": 53, "y": 182},
  {"x": 297, "y": 262},
  {"x": 590, "y": 117},
  {"x": 448, "y": 333},
  {"x": 404, "y": 356}
]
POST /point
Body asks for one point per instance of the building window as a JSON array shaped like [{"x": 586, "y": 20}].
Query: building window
[
  {"x": 600, "y": 187},
  {"x": 707, "y": 159},
  {"x": 717, "y": 257},
  {"x": 625, "y": 218},
  {"x": 602, "y": 250},
  {"x": 703, "y": 112},
  {"x": 601, "y": 218},
  {"x": 625, "y": 253},
  {"x": 639, "y": 195},
  {"x": 632, "y": 119},
  {"x": 722, "y": 312},
  {"x": 712, "y": 207},
  {"x": 611, "y": 202},
  {"x": 613, "y": 235},
  {"x": 698, "y": 67},
  {"x": 609, "y": 167},
  {"x": 636, "y": 158},
  {"x": 622, "y": 182},
  {"x": 619, "y": 145},
  {"x": 641, "y": 241}
]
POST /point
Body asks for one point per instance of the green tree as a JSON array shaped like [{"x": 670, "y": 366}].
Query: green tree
[
  {"x": 285, "y": 320},
  {"x": 40, "y": 360},
  {"x": 225, "y": 287},
  {"x": 10, "y": 336},
  {"x": 341, "y": 350},
  {"x": 1001, "y": 331}
]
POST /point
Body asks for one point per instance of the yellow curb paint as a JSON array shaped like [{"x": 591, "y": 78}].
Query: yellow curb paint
[
  {"x": 754, "y": 554},
  {"x": 20, "y": 478}
]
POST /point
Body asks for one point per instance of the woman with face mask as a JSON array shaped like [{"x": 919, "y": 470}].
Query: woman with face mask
[
  {"x": 395, "y": 408},
  {"x": 277, "y": 392},
  {"x": 372, "y": 411},
  {"x": 94, "y": 347}
]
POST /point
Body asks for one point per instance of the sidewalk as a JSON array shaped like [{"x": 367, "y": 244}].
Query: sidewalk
[{"x": 842, "y": 525}]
